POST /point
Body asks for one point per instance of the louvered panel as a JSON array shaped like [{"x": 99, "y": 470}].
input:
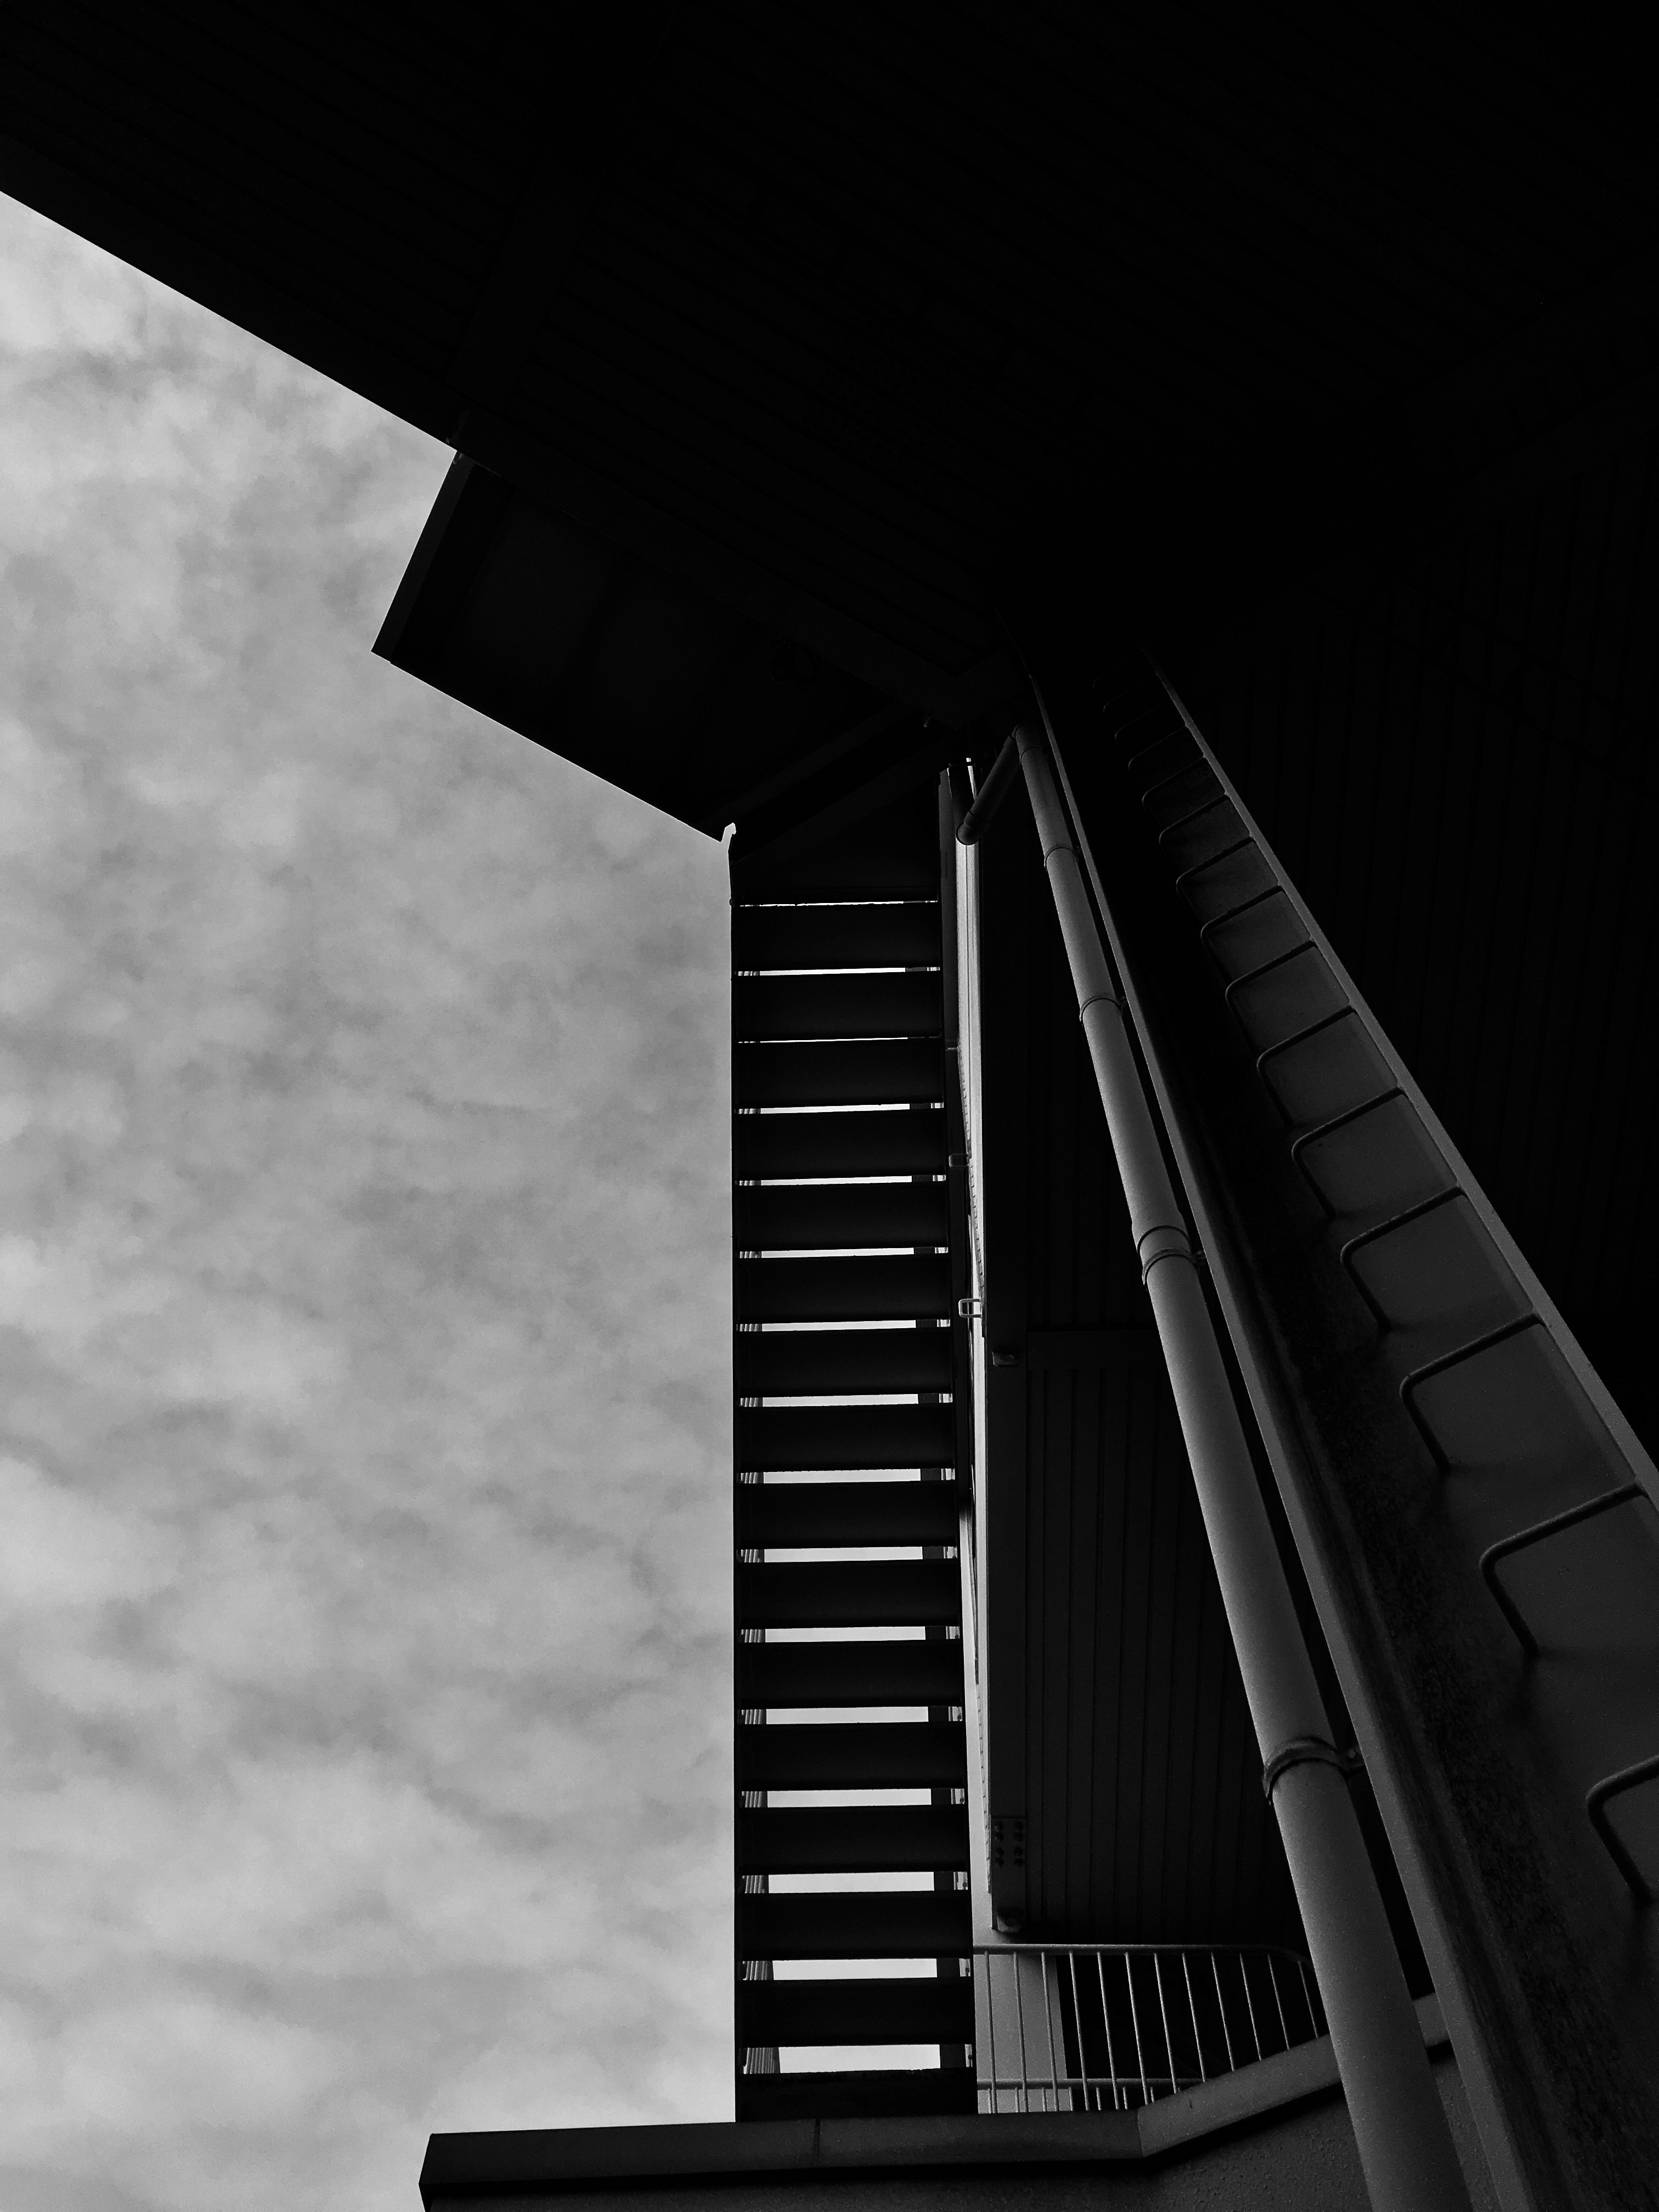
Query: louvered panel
[
  {"x": 937, "y": 2009},
  {"x": 805, "y": 1437},
  {"x": 886, "y": 1755},
  {"x": 819, "y": 1219},
  {"x": 783, "y": 1516},
  {"x": 869, "y": 1071},
  {"x": 853, "y": 1594},
  {"x": 899, "y": 2092},
  {"x": 911, "y": 1673},
  {"x": 854, "y": 1839},
  {"x": 856, "y": 1925},
  {"x": 900, "y": 1141},
  {"x": 824, "y": 1363},
  {"x": 843, "y": 1290},
  {"x": 862, "y": 1040},
  {"x": 800, "y": 1007},
  {"x": 836, "y": 936}
]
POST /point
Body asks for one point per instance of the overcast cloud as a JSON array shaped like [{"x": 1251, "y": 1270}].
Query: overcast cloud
[{"x": 364, "y": 1561}]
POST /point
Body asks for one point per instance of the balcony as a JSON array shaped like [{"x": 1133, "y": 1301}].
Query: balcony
[{"x": 1099, "y": 2028}]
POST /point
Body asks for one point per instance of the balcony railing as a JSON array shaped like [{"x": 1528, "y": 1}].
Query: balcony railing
[{"x": 1106, "y": 2027}]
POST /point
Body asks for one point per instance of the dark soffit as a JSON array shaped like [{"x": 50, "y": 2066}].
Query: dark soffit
[{"x": 821, "y": 319}]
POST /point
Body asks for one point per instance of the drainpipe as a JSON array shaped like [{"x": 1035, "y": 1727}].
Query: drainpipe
[{"x": 1405, "y": 2144}]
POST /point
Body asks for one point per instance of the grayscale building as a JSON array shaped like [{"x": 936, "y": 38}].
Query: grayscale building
[{"x": 1143, "y": 519}]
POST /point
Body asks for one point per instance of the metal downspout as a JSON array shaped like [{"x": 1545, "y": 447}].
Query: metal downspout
[{"x": 1405, "y": 2144}]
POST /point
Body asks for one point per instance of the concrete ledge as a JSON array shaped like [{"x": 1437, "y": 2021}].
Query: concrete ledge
[{"x": 591, "y": 2162}]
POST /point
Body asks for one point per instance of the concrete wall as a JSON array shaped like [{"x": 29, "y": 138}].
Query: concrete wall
[{"x": 1270, "y": 2138}]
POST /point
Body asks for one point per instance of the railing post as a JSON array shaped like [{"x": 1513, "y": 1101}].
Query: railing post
[{"x": 1405, "y": 2144}]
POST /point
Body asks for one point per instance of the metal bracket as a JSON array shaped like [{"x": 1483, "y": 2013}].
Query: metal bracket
[
  {"x": 1328, "y": 1128},
  {"x": 1175, "y": 729},
  {"x": 1232, "y": 913},
  {"x": 1399, "y": 1221},
  {"x": 1301, "y": 1036},
  {"x": 1266, "y": 968},
  {"x": 1181, "y": 820},
  {"x": 1495, "y": 1554},
  {"x": 1174, "y": 775},
  {"x": 1309, "y": 1751},
  {"x": 1214, "y": 861},
  {"x": 1596, "y": 1804},
  {"x": 1432, "y": 1367}
]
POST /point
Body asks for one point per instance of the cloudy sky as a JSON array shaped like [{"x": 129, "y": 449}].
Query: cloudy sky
[{"x": 364, "y": 1564}]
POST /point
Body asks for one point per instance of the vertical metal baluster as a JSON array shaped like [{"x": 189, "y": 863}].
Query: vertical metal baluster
[
  {"x": 1221, "y": 2006},
  {"x": 1024, "y": 2090},
  {"x": 1249, "y": 2003},
  {"x": 1192, "y": 2012},
  {"x": 1049, "y": 2025},
  {"x": 1164, "y": 2014},
  {"x": 990, "y": 2024},
  {"x": 1106, "y": 2021},
  {"x": 1077, "y": 2022},
  {"x": 1134, "y": 2021},
  {"x": 1273, "y": 1977}
]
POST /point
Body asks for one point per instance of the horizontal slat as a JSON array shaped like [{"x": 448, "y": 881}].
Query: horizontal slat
[
  {"x": 891, "y": 855},
  {"x": 856, "y": 1925},
  {"x": 898, "y": 1141},
  {"x": 889, "y": 2093},
  {"x": 836, "y": 936},
  {"x": 854, "y": 1839},
  {"x": 844, "y": 1289},
  {"x": 811, "y": 1362},
  {"x": 852, "y": 1756},
  {"x": 782, "y": 1516},
  {"x": 786, "y": 1438},
  {"x": 867, "y": 861},
  {"x": 857, "y": 1071},
  {"x": 911, "y": 1673},
  {"x": 815, "y": 1220},
  {"x": 839, "y": 1006},
  {"x": 850, "y": 1594},
  {"x": 939, "y": 2009}
]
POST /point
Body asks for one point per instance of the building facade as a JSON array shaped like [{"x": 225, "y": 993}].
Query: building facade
[{"x": 1196, "y": 1578}]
